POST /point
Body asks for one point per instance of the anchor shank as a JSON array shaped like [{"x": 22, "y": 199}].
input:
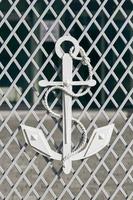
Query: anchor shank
[{"x": 67, "y": 111}]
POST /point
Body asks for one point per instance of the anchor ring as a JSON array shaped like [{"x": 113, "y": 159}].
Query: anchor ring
[{"x": 59, "y": 51}]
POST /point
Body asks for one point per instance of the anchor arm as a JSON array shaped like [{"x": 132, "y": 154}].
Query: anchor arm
[
  {"x": 36, "y": 139},
  {"x": 99, "y": 139}
]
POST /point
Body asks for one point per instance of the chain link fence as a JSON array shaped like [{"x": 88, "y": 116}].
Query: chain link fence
[{"x": 29, "y": 30}]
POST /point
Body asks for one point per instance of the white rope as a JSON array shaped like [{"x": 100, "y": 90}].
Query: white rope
[{"x": 84, "y": 59}]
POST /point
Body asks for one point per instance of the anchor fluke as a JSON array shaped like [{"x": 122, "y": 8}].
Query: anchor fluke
[
  {"x": 98, "y": 140},
  {"x": 36, "y": 139}
]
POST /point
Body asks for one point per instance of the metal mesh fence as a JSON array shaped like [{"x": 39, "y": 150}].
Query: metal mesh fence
[{"x": 29, "y": 30}]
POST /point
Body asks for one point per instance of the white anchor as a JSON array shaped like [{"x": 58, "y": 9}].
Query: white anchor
[{"x": 100, "y": 136}]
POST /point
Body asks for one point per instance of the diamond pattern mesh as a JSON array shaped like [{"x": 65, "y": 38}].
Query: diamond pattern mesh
[{"x": 29, "y": 30}]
